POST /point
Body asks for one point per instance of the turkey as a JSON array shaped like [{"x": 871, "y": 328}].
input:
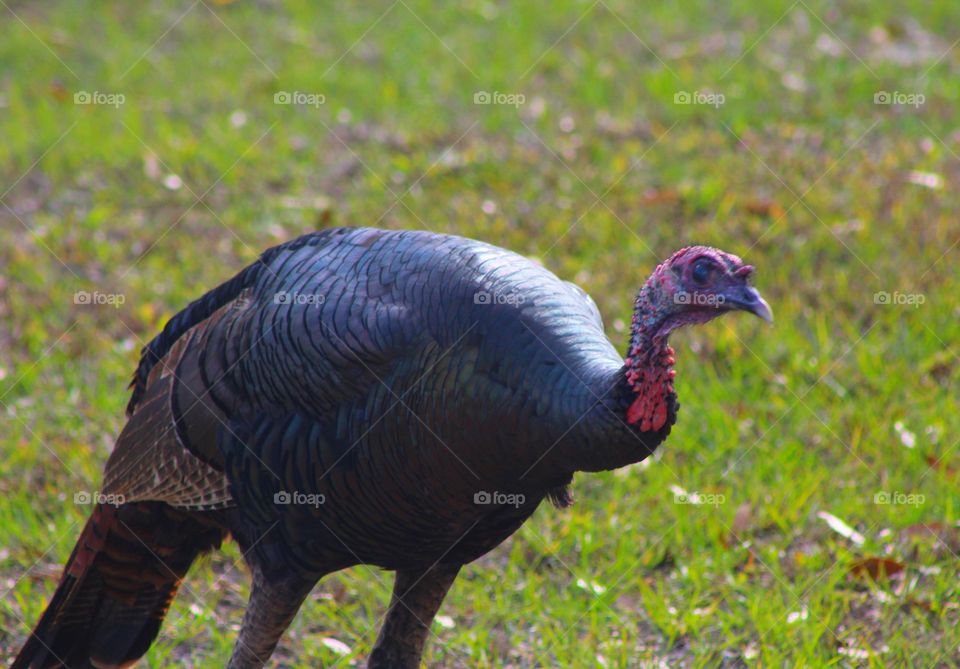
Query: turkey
[{"x": 401, "y": 399}]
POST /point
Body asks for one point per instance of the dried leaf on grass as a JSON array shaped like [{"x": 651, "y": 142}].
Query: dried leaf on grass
[
  {"x": 841, "y": 527},
  {"x": 877, "y": 568}
]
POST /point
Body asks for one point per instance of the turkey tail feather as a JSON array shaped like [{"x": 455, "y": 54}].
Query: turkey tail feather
[
  {"x": 117, "y": 586},
  {"x": 194, "y": 313}
]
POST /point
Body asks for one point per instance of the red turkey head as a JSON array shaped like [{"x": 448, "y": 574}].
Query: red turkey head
[{"x": 699, "y": 283}]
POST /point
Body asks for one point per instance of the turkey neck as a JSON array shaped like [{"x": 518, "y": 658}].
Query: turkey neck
[
  {"x": 648, "y": 367},
  {"x": 631, "y": 407}
]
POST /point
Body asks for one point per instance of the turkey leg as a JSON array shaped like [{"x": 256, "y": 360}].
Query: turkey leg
[
  {"x": 416, "y": 598},
  {"x": 271, "y": 608}
]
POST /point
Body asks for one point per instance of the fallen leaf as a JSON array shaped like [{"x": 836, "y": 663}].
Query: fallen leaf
[
  {"x": 151, "y": 165},
  {"x": 742, "y": 519},
  {"x": 940, "y": 365},
  {"x": 748, "y": 564},
  {"x": 876, "y": 568},
  {"x": 59, "y": 92},
  {"x": 764, "y": 207},
  {"x": 337, "y": 646},
  {"x": 339, "y": 591},
  {"x": 939, "y": 533},
  {"x": 841, "y": 527},
  {"x": 912, "y": 602},
  {"x": 660, "y": 196},
  {"x": 445, "y": 622},
  {"x": 742, "y": 523},
  {"x": 940, "y": 464}
]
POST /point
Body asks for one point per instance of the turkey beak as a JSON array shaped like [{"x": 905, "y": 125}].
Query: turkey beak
[{"x": 747, "y": 298}]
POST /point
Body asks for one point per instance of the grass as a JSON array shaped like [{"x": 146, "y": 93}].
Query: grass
[{"x": 599, "y": 174}]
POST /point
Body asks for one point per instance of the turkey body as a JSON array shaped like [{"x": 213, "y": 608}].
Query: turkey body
[{"x": 410, "y": 394}]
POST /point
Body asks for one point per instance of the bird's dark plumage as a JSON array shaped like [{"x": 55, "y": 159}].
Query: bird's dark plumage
[{"x": 402, "y": 399}]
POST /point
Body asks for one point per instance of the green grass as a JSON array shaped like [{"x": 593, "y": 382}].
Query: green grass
[{"x": 598, "y": 174}]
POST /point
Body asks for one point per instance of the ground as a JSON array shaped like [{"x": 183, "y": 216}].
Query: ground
[{"x": 804, "y": 512}]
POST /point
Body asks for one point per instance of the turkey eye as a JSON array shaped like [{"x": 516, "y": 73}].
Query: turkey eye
[{"x": 701, "y": 271}]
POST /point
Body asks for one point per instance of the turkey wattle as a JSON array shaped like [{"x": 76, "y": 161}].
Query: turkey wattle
[{"x": 362, "y": 396}]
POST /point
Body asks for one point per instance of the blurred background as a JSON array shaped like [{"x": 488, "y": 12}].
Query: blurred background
[{"x": 803, "y": 512}]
